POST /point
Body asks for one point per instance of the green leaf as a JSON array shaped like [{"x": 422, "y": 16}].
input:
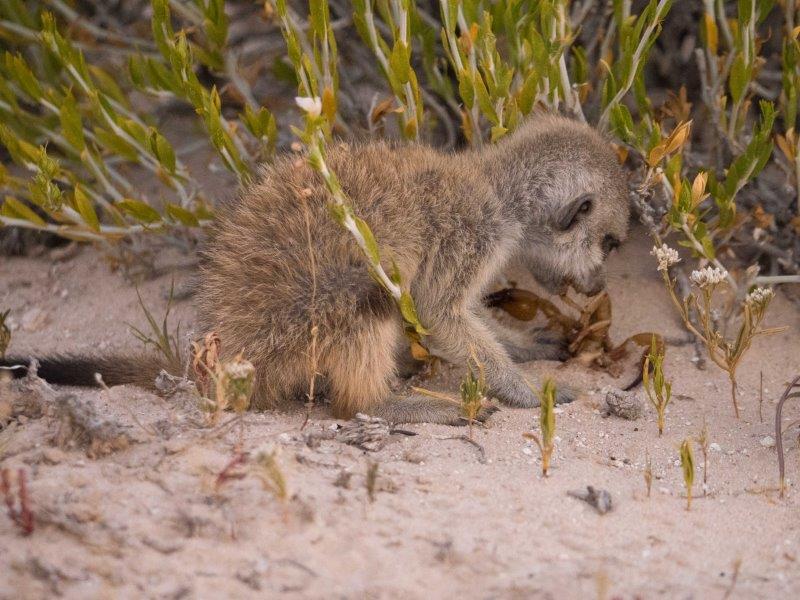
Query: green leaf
[
  {"x": 71, "y": 125},
  {"x": 739, "y": 77},
  {"x": 139, "y": 210},
  {"x": 162, "y": 150},
  {"x": 112, "y": 142},
  {"x": 482, "y": 94},
  {"x": 24, "y": 76},
  {"x": 498, "y": 131},
  {"x": 85, "y": 208},
  {"x": 409, "y": 312},
  {"x": 466, "y": 89},
  {"x": 622, "y": 122},
  {"x": 183, "y": 216},
  {"x": 15, "y": 209},
  {"x": 527, "y": 93},
  {"x": 399, "y": 62},
  {"x": 108, "y": 85},
  {"x": 373, "y": 253}
]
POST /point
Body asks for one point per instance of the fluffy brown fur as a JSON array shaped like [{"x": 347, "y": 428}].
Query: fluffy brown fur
[{"x": 449, "y": 221}]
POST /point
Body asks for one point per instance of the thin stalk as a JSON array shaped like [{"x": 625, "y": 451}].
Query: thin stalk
[{"x": 787, "y": 393}]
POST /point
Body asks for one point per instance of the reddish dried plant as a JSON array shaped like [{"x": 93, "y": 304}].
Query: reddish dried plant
[
  {"x": 205, "y": 357},
  {"x": 18, "y": 508}
]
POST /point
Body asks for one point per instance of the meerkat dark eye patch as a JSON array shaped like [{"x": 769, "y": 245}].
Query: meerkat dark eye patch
[
  {"x": 572, "y": 213},
  {"x": 609, "y": 243}
]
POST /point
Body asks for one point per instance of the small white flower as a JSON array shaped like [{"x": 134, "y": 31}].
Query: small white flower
[
  {"x": 759, "y": 297},
  {"x": 239, "y": 369},
  {"x": 710, "y": 276},
  {"x": 666, "y": 256},
  {"x": 311, "y": 105}
]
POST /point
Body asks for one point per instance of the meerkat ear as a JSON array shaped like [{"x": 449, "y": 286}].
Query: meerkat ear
[{"x": 568, "y": 216}]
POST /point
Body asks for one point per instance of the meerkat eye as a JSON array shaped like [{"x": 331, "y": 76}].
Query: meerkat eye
[
  {"x": 573, "y": 212},
  {"x": 609, "y": 243}
]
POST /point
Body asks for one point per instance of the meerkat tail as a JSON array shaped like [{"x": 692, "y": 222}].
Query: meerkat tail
[{"x": 137, "y": 369}]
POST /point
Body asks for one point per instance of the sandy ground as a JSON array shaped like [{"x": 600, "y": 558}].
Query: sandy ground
[{"x": 151, "y": 520}]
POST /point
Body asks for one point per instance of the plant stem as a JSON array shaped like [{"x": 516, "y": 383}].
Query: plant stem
[
  {"x": 787, "y": 393},
  {"x": 732, "y": 375}
]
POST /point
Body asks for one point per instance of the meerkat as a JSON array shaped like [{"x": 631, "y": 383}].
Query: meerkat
[{"x": 551, "y": 195}]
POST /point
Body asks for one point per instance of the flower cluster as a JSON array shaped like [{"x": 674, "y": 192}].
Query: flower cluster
[
  {"x": 708, "y": 277},
  {"x": 759, "y": 297},
  {"x": 235, "y": 384},
  {"x": 666, "y": 256}
]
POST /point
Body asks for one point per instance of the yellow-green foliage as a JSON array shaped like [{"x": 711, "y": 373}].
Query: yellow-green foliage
[
  {"x": 659, "y": 390},
  {"x": 547, "y": 424},
  {"x": 473, "y": 395},
  {"x": 267, "y": 468},
  {"x": 5, "y": 333},
  {"x": 687, "y": 465},
  {"x": 71, "y": 126}
]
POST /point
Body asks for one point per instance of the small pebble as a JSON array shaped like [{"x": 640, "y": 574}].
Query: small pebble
[
  {"x": 53, "y": 456},
  {"x": 768, "y": 441},
  {"x": 626, "y": 405}
]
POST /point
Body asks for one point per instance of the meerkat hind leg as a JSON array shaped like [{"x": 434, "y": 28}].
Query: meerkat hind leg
[
  {"x": 359, "y": 372},
  {"x": 417, "y": 408}
]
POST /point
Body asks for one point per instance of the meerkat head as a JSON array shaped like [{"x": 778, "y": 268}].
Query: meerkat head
[{"x": 572, "y": 195}]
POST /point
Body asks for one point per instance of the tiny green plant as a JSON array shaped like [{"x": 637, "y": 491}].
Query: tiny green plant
[
  {"x": 687, "y": 464},
  {"x": 725, "y": 353},
  {"x": 547, "y": 424},
  {"x": 371, "y": 480},
  {"x": 159, "y": 336},
  {"x": 473, "y": 394},
  {"x": 268, "y": 469},
  {"x": 648, "y": 473},
  {"x": 5, "y": 333},
  {"x": 234, "y": 382},
  {"x": 659, "y": 390},
  {"x": 792, "y": 391},
  {"x": 703, "y": 440}
]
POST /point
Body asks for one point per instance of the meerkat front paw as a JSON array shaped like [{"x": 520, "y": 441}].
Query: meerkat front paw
[
  {"x": 525, "y": 397},
  {"x": 549, "y": 345},
  {"x": 513, "y": 391},
  {"x": 545, "y": 345},
  {"x": 566, "y": 394}
]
